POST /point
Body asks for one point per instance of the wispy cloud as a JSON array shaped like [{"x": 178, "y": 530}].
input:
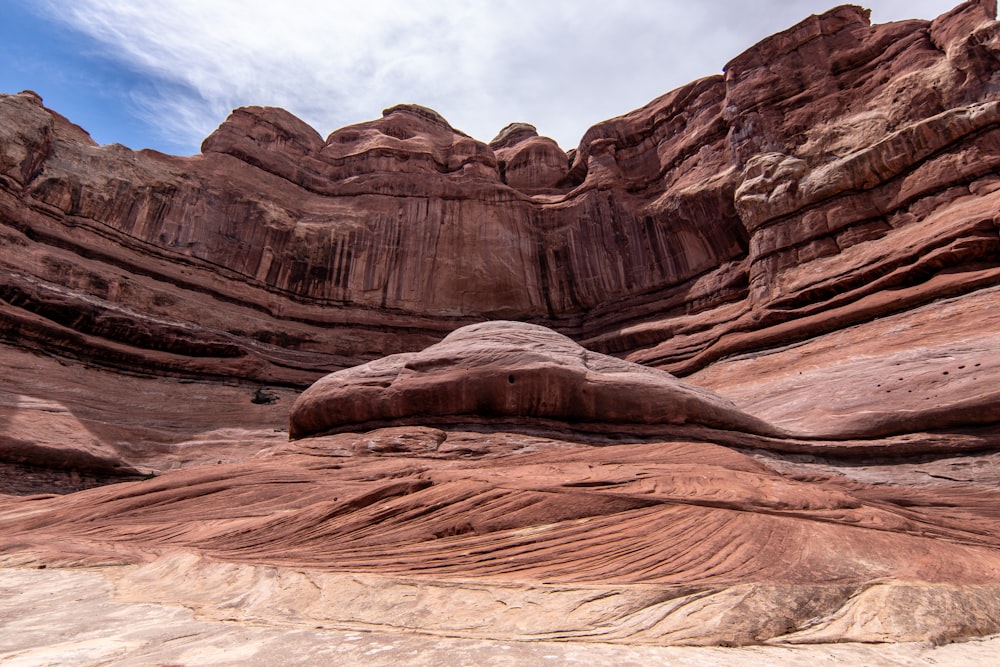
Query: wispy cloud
[{"x": 559, "y": 64}]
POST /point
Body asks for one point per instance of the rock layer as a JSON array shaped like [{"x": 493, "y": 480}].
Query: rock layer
[
  {"x": 830, "y": 163},
  {"x": 509, "y": 370},
  {"x": 513, "y": 536},
  {"x": 810, "y": 240}
]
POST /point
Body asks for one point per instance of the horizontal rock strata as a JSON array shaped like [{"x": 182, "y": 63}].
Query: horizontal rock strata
[
  {"x": 831, "y": 162},
  {"x": 477, "y": 350}
]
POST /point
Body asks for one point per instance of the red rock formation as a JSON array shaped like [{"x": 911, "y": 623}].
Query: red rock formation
[
  {"x": 505, "y": 535},
  {"x": 820, "y": 158},
  {"x": 509, "y": 370},
  {"x": 811, "y": 236},
  {"x": 528, "y": 162}
]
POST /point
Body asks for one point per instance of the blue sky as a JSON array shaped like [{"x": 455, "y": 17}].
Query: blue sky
[
  {"x": 164, "y": 74},
  {"x": 78, "y": 76}
]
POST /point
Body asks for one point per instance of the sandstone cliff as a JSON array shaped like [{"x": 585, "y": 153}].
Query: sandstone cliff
[
  {"x": 830, "y": 164},
  {"x": 809, "y": 240}
]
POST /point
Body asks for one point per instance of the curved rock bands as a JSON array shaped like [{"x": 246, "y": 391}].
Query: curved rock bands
[
  {"x": 775, "y": 185},
  {"x": 939, "y": 217},
  {"x": 640, "y": 614},
  {"x": 696, "y": 513},
  {"x": 663, "y": 542},
  {"x": 756, "y": 332},
  {"x": 119, "y": 302},
  {"x": 523, "y": 376},
  {"x": 509, "y": 369},
  {"x": 812, "y": 235}
]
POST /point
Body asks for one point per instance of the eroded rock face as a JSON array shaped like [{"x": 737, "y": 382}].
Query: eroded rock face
[
  {"x": 831, "y": 161},
  {"x": 509, "y": 370},
  {"x": 812, "y": 238},
  {"x": 528, "y": 162}
]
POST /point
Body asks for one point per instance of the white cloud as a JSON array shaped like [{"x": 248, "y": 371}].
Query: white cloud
[{"x": 559, "y": 64}]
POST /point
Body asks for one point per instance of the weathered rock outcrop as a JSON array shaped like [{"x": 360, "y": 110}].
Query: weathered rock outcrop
[
  {"x": 528, "y": 162},
  {"x": 831, "y": 162},
  {"x": 509, "y": 371},
  {"x": 498, "y": 534},
  {"x": 810, "y": 240}
]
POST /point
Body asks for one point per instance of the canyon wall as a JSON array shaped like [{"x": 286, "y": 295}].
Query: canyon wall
[
  {"x": 403, "y": 380},
  {"x": 832, "y": 164}
]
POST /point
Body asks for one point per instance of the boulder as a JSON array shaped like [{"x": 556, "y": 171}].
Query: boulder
[{"x": 508, "y": 370}]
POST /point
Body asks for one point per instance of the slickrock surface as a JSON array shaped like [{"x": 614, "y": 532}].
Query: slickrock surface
[
  {"x": 544, "y": 509},
  {"x": 96, "y": 629},
  {"x": 506, "y": 535},
  {"x": 724, "y": 373},
  {"x": 509, "y": 370}
]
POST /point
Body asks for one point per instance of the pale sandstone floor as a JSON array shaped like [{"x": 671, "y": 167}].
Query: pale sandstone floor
[{"x": 60, "y": 618}]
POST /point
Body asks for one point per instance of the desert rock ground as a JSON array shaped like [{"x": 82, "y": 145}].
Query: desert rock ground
[
  {"x": 719, "y": 384},
  {"x": 96, "y": 628}
]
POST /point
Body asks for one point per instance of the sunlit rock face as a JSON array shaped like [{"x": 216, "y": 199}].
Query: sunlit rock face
[{"x": 725, "y": 372}]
